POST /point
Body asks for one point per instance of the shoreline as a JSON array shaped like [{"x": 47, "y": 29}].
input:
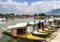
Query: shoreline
[{"x": 54, "y": 36}]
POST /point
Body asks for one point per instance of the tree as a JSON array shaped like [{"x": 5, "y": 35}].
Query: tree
[
  {"x": 12, "y": 14},
  {"x": 42, "y": 14},
  {"x": 35, "y": 15}
]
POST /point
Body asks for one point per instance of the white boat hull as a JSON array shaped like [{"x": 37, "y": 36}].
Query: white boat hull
[{"x": 39, "y": 33}]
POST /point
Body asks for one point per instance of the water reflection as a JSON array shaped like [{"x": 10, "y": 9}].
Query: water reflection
[{"x": 6, "y": 38}]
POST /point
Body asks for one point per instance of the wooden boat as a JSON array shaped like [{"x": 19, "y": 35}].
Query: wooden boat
[
  {"x": 41, "y": 27},
  {"x": 22, "y": 30},
  {"x": 41, "y": 30},
  {"x": 53, "y": 23},
  {"x": 35, "y": 29},
  {"x": 50, "y": 25}
]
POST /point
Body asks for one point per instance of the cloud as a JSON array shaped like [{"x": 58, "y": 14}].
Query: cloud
[{"x": 11, "y": 6}]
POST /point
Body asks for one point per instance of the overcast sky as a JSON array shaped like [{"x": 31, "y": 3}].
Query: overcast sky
[{"x": 28, "y": 6}]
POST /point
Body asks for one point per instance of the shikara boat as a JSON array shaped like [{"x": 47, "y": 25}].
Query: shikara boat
[
  {"x": 53, "y": 24},
  {"x": 22, "y": 30},
  {"x": 35, "y": 29},
  {"x": 40, "y": 29}
]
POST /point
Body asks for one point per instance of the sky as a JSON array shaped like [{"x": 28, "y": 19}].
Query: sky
[{"x": 28, "y": 6}]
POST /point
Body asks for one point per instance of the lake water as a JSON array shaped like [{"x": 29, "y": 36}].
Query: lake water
[{"x": 6, "y": 38}]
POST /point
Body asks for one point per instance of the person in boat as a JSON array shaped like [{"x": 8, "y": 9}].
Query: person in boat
[
  {"x": 38, "y": 27},
  {"x": 39, "y": 24}
]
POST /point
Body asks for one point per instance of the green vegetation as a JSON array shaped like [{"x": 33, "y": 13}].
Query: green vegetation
[{"x": 11, "y": 15}]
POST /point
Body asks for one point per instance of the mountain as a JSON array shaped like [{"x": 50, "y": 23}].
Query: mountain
[{"x": 54, "y": 11}]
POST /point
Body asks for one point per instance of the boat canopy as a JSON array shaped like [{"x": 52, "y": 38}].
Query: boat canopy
[
  {"x": 20, "y": 25},
  {"x": 32, "y": 23},
  {"x": 11, "y": 26},
  {"x": 57, "y": 18},
  {"x": 17, "y": 25},
  {"x": 51, "y": 19}
]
